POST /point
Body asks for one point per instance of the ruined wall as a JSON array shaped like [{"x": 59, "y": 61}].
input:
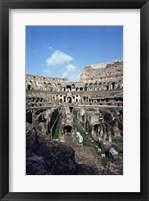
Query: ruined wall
[
  {"x": 108, "y": 72},
  {"x": 43, "y": 119},
  {"x": 99, "y": 85},
  {"x": 101, "y": 78},
  {"x": 104, "y": 123}
]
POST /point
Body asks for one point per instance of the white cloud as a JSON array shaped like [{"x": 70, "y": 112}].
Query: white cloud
[
  {"x": 65, "y": 74},
  {"x": 71, "y": 72},
  {"x": 58, "y": 57},
  {"x": 70, "y": 67}
]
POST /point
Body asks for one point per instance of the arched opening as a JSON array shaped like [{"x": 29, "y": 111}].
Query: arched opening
[
  {"x": 77, "y": 89},
  {"x": 95, "y": 86},
  {"x": 85, "y": 88},
  {"x": 91, "y": 86},
  {"x": 81, "y": 88},
  {"x": 68, "y": 87},
  {"x": 29, "y": 117},
  {"x": 71, "y": 108},
  {"x": 67, "y": 129},
  {"x": 96, "y": 128},
  {"x": 37, "y": 100},
  {"x": 29, "y": 87},
  {"x": 113, "y": 85},
  {"x": 59, "y": 87},
  {"x": 69, "y": 100},
  {"x": 107, "y": 117},
  {"x": 63, "y": 89},
  {"x": 73, "y": 87}
]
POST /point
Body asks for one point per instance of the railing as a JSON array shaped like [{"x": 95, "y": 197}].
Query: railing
[{"x": 74, "y": 105}]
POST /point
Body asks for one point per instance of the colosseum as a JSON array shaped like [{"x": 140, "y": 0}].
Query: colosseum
[{"x": 85, "y": 116}]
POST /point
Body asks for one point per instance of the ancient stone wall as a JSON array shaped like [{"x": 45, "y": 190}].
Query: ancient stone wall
[
  {"x": 99, "y": 85},
  {"x": 96, "y": 101},
  {"x": 101, "y": 122}
]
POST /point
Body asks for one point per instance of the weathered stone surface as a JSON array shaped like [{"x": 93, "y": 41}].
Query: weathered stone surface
[
  {"x": 115, "y": 168},
  {"x": 86, "y": 155},
  {"x": 51, "y": 158},
  {"x": 97, "y": 86}
]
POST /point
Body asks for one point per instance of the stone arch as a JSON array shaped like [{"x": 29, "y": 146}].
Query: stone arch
[
  {"x": 95, "y": 86},
  {"x": 67, "y": 129},
  {"x": 59, "y": 87},
  {"x": 64, "y": 89},
  {"x": 64, "y": 99},
  {"x": 90, "y": 86},
  {"x": 100, "y": 86},
  {"x": 113, "y": 85},
  {"x": 107, "y": 87},
  {"x": 69, "y": 99},
  {"x": 84, "y": 98},
  {"x": 96, "y": 127},
  {"x": 81, "y": 88},
  {"x": 29, "y": 87},
  {"x": 61, "y": 100},
  {"x": 86, "y": 87},
  {"x": 73, "y": 87},
  {"x": 68, "y": 87}
]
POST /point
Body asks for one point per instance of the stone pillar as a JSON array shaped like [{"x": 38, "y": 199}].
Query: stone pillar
[
  {"x": 105, "y": 136},
  {"x": 116, "y": 131},
  {"x": 101, "y": 132},
  {"x": 109, "y": 136}
]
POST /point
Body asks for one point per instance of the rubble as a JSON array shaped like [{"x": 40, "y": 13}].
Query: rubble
[{"x": 45, "y": 157}]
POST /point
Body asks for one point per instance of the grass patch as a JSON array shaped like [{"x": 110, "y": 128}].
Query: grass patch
[
  {"x": 86, "y": 140},
  {"x": 117, "y": 139},
  {"x": 104, "y": 161}
]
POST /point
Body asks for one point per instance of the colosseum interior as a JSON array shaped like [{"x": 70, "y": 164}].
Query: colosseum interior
[{"x": 85, "y": 116}]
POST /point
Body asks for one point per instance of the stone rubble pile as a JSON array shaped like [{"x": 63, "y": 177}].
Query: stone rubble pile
[{"x": 45, "y": 157}]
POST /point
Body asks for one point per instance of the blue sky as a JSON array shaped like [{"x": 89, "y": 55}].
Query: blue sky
[{"x": 63, "y": 51}]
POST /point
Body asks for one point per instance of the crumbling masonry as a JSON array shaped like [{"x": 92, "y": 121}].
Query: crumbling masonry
[{"x": 96, "y": 101}]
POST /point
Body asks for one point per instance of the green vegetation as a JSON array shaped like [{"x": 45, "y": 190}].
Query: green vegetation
[
  {"x": 56, "y": 129},
  {"x": 118, "y": 139},
  {"x": 104, "y": 161},
  {"x": 86, "y": 140},
  {"x": 118, "y": 147}
]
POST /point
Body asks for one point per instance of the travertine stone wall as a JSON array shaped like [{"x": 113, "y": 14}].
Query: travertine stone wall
[
  {"x": 100, "y": 85},
  {"x": 96, "y": 101}
]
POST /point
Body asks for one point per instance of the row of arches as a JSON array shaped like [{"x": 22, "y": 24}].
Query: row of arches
[
  {"x": 86, "y": 100},
  {"x": 86, "y": 87}
]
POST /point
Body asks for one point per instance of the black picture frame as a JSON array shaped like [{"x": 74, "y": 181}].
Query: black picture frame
[{"x": 5, "y": 5}]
